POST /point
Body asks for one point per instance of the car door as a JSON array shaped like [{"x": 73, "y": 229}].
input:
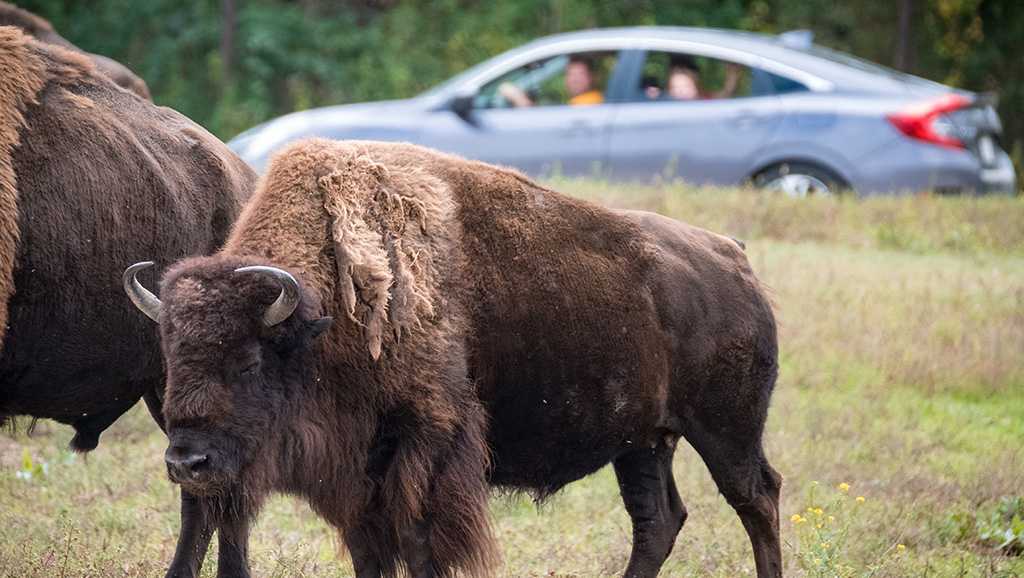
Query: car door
[
  {"x": 701, "y": 135},
  {"x": 546, "y": 137}
]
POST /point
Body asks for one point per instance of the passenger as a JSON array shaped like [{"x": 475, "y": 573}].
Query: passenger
[
  {"x": 651, "y": 88},
  {"x": 579, "y": 80},
  {"x": 682, "y": 85},
  {"x": 684, "y": 74}
]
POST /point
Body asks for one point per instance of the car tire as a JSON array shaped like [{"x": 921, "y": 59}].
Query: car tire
[{"x": 799, "y": 180}]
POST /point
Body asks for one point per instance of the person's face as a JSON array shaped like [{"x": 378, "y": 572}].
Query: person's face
[
  {"x": 577, "y": 78},
  {"x": 682, "y": 86}
]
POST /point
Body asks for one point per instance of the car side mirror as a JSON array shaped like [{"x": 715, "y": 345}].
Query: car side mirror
[{"x": 462, "y": 105}]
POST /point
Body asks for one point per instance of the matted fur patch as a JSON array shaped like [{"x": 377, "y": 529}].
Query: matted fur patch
[{"x": 381, "y": 224}]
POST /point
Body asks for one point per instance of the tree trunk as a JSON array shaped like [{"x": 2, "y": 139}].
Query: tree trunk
[
  {"x": 227, "y": 39},
  {"x": 903, "y": 58}
]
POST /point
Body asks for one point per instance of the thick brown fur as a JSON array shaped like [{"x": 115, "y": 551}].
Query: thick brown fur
[
  {"x": 372, "y": 242},
  {"x": 92, "y": 178},
  {"x": 23, "y": 77},
  {"x": 486, "y": 330},
  {"x": 43, "y": 31}
]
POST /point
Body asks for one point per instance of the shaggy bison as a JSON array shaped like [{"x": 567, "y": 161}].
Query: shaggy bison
[
  {"x": 389, "y": 330},
  {"x": 92, "y": 176},
  {"x": 43, "y": 31}
]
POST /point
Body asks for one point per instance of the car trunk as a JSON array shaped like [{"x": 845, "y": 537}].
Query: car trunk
[{"x": 977, "y": 126}]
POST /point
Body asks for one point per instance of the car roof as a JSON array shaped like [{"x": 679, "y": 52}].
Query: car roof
[{"x": 841, "y": 71}]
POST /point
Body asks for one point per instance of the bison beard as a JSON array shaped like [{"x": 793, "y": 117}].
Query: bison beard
[{"x": 486, "y": 331}]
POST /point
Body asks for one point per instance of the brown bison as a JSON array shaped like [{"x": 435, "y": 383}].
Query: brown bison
[
  {"x": 92, "y": 176},
  {"x": 486, "y": 331},
  {"x": 30, "y": 23}
]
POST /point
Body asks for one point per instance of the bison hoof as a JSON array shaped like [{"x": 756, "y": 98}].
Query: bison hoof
[{"x": 84, "y": 442}]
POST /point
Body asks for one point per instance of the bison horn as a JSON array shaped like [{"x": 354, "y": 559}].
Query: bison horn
[
  {"x": 140, "y": 296},
  {"x": 286, "y": 302}
]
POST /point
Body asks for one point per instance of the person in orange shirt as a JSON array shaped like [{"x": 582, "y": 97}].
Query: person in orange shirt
[{"x": 579, "y": 82}]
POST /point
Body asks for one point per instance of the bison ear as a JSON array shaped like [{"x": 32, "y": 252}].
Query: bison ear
[{"x": 315, "y": 328}]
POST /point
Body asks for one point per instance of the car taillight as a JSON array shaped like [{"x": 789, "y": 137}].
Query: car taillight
[{"x": 923, "y": 121}]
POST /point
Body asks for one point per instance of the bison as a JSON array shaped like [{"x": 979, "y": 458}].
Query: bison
[
  {"x": 40, "y": 28},
  {"x": 92, "y": 176},
  {"x": 389, "y": 331}
]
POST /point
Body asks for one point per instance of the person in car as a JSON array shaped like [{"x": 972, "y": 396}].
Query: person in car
[
  {"x": 579, "y": 84},
  {"x": 684, "y": 80},
  {"x": 682, "y": 84}
]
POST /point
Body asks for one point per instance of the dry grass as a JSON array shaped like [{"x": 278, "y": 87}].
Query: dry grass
[{"x": 902, "y": 375}]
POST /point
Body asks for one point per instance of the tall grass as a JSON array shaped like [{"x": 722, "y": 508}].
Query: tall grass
[
  {"x": 902, "y": 377},
  {"x": 913, "y": 223}
]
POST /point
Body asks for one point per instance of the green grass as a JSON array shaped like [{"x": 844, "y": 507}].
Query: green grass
[{"x": 902, "y": 332}]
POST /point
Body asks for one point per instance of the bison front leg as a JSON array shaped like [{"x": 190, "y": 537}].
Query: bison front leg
[
  {"x": 372, "y": 548},
  {"x": 193, "y": 539},
  {"x": 196, "y": 524},
  {"x": 233, "y": 553},
  {"x": 197, "y": 527},
  {"x": 416, "y": 551}
]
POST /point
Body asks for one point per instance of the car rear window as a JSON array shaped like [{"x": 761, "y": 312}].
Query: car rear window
[{"x": 858, "y": 63}]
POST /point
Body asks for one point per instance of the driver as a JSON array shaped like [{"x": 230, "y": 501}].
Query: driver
[{"x": 579, "y": 83}]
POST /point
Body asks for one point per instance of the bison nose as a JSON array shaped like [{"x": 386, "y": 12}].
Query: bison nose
[{"x": 184, "y": 464}]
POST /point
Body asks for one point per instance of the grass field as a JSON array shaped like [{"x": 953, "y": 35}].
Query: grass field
[{"x": 902, "y": 333}]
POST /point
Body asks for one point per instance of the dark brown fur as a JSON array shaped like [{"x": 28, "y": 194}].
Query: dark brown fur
[
  {"x": 476, "y": 314},
  {"x": 92, "y": 178},
  {"x": 43, "y": 31}
]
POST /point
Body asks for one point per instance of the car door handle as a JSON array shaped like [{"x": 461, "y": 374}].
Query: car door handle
[
  {"x": 579, "y": 129},
  {"x": 747, "y": 119}
]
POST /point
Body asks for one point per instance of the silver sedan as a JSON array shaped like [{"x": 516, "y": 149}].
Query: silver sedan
[{"x": 701, "y": 105}]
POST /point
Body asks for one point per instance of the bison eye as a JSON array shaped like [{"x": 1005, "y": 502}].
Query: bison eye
[{"x": 251, "y": 369}]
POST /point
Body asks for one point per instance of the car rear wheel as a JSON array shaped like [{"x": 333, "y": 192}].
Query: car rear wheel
[{"x": 799, "y": 180}]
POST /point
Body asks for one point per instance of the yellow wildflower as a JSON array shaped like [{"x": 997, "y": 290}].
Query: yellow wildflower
[
  {"x": 844, "y": 487},
  {"x": 795, "y": 518},
  {"x": 860, "y": 499},
  {"x": 900, "y": 547},
  {"x": 831, "y": 518},
  {"x": 818, "y": 511},
  {"x": 825, "y": 545}
]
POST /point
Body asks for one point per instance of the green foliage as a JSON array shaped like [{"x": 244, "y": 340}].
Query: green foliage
[
  {"x": 999, "y": 526},
  {"x": 290, "y": 55},
  {"x": 1004, "y": 528},
  {"x": 31, "y": 469}
]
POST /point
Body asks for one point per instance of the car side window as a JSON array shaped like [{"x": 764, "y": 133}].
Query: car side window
[
  {"x": 679, "y": 77},
  {"x": 568, "y": 79}
]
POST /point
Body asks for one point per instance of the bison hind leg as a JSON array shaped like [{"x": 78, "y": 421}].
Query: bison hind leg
[
  {"x": 749, "y": 483},
  {"x": 649, "y": 493}
]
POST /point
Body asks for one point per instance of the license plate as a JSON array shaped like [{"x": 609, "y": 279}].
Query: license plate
[{"x": 986, "y": 150}]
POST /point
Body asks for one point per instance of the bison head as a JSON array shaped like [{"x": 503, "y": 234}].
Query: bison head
[{"x": 237, "y": 340}]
